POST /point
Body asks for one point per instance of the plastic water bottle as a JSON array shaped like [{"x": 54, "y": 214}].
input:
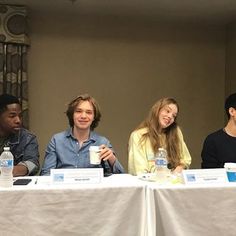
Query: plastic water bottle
[
  {"x": 161, "y": 164},
  {"x": 6, "y": 168}
]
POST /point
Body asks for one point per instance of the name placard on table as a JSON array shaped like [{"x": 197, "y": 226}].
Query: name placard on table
[
  {"x": 202, "y": 176},
  {"x": 77, "y": 176}
]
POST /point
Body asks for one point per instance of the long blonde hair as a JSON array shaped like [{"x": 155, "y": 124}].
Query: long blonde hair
[{"x": 154, "y": 130}]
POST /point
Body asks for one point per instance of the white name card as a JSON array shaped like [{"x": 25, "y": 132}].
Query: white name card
[
  {"x": 77, "y": 176},
  {"x": 202, "y": 176}
]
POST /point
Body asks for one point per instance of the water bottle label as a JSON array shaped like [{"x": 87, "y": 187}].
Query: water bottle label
[
  {"x": 6, "y": 163},
  {"x": 161, "y": 162}
]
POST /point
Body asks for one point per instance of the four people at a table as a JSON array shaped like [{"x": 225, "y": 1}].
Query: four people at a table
[{"x": 70, "y": 148}]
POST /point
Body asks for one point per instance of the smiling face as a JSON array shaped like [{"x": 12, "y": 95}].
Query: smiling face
[
  {"x": 167, "y": 115},
  {"x": 10, "y": 120},
  {"x": 83, "y": 115}
]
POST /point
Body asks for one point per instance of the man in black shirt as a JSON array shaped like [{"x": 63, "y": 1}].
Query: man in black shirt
[{"x": 220, "y": 146}]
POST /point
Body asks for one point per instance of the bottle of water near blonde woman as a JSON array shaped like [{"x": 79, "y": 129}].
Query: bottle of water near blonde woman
[
  {"x": 161, "y": 164},
  {"x": 6, "y": 168}
]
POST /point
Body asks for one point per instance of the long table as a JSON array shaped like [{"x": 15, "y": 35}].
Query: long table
[
  {"x": 114, "y": 207},
  {"x": 120, "y": 205}
]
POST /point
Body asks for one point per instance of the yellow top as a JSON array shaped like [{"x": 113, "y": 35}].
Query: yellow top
[{"x": 141, "y": 155}]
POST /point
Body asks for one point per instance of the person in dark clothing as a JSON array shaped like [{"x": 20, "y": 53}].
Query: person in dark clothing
[
  {"x": 220, "y": 146},
  {"x": 23, "y": 144}
]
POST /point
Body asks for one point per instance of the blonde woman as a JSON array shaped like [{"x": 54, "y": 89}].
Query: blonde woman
[{"x": 159, "y": 129}]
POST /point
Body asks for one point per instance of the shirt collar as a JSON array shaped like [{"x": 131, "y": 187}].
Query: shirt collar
[
  {"x": 15, "y": 138},
  {"x": 92, "y": 135}
]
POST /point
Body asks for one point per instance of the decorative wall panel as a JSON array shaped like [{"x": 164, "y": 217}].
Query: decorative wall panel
[{"x": 13, "y": 24}]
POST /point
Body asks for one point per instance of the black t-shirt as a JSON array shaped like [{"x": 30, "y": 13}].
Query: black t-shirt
[{"x": 218, "y": 148}]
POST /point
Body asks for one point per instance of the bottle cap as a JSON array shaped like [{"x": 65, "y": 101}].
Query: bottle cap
[
  {"x": 6, "y": 148},
  {"x": 230, "y": 165},
  {"x": 162, "y": 150}
]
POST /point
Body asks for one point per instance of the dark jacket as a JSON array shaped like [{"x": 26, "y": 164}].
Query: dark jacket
[{"x": 24, "y": 147}]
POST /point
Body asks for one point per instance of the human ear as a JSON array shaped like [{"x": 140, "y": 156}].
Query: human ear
[{"x": 232, "y": 111}]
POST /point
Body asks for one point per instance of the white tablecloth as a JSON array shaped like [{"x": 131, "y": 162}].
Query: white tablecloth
[
  {"x": 201, "y": 210},
  {"x": 120, "y": 205},
  {"x": 114, "y": 207}
]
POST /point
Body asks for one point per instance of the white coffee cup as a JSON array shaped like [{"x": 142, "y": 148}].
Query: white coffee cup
[{"x": 94, "y": 155}]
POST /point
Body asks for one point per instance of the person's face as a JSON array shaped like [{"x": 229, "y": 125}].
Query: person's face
[
  {"x": 83, "y": 115},
  {"x": 10, "y": 120},
  {"x": 167, "y": 115}
]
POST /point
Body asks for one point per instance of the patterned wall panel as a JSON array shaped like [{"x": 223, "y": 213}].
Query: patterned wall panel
[{"x": 13, "y": 24}]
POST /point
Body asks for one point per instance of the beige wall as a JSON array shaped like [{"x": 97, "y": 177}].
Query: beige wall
[
  {"x": 126, "y": 65},
  {"x": 231, "y": 59}
]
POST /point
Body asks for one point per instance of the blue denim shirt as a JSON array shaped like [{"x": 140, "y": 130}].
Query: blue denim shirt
[
  {"x": 63, "y": 151},
  {"x": 24, "y": 147}
]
